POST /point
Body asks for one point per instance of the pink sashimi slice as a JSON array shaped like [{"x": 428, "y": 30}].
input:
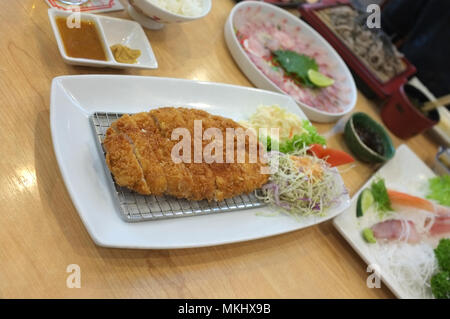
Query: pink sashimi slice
[
  {"x": 440, "y": 226},
  {"x": 256, "y": 47},
  {"x": 396, "y": 229},
  {"x": 284, "y": 39},
  {"x": 442, "y": 211}
]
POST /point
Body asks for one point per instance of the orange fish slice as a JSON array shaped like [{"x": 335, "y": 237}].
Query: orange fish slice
[{"x": 403, "y": 199}]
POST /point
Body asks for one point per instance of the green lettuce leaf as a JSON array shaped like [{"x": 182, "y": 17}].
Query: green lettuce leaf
[
  {"x": 298, "y": 142},
  {"x": 440, "y": 189}
]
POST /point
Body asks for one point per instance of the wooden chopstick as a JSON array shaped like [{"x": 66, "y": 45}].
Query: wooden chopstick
[{"x": 431, "y": 105}]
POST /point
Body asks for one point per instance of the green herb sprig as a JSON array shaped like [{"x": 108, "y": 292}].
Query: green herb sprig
[{"x": 380, "y": 196}]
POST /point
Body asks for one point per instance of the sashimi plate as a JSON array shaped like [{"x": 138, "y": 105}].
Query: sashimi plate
[
  {"x": 266, "y": 22},
  {"x": 75, "y": 98},
  {"x": 405, "y": 173}
]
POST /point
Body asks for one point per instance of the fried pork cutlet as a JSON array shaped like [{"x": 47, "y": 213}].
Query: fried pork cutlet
[{"x": 138, "y": 154}]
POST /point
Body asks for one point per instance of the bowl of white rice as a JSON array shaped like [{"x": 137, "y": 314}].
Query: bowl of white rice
[{"x": 153, "y": 14}]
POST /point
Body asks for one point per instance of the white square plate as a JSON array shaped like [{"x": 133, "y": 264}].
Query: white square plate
[
  {"x": 406, "y": 173},
  {"x": 75, "y": 98},
  {"x": 111, "y": 31}
]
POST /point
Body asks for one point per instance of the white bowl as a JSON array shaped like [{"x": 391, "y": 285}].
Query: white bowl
[
  {"x": 153, "y": 17},
  {"x": 259, "y": 79}
]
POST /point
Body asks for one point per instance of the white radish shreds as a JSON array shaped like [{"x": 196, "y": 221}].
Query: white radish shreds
[
  {"x": 190, "y": 8},
  {"x": 411, "y": 266}
]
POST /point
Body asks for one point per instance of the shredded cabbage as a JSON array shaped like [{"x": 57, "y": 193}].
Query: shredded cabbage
[
  {"x": 289, "y": 124},
  {"x": 294, "y": 133},
  {"x": 300, "y": 184}
]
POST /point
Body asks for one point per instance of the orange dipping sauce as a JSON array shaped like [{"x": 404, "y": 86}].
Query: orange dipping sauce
[{"x": 83, "y": 42}]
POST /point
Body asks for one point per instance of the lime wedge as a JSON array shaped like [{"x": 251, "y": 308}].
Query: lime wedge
[
  {"x": 319, "y": 79},
  {"x": 365, "y": 200}
]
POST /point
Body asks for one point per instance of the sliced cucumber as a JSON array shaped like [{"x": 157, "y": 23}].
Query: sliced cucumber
[{"x": 365, "y": 200}]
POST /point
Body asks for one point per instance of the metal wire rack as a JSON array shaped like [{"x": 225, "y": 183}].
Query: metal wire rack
[{"x": 135, "y": 207}]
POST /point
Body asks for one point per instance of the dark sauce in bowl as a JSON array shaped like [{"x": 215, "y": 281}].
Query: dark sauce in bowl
[{"x": 370, "y": 138}]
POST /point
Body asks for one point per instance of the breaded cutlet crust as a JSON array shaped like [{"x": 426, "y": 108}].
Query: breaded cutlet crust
[
  {"x": 123, "y": 163},
  {"x": 138, "y": 154}
]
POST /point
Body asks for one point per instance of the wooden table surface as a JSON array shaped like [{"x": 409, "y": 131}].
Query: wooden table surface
[{"x": 41, "y": 232}]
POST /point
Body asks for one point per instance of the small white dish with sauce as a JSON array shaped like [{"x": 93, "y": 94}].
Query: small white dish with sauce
[{"x": 111, "y": 31}]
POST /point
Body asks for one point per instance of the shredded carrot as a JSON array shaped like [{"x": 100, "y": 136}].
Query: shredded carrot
[{"x": 312, "y": 169}]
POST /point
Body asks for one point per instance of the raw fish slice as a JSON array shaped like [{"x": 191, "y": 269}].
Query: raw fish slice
[
  {"x": 440, "y": 226},
  {"x": 400, "y": 200},
  {"x": 396, "y": 229},
  {"x": 442, "y": 211}
]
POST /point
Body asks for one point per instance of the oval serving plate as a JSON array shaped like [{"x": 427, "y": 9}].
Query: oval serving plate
[{"x": 262, "y": 13}]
